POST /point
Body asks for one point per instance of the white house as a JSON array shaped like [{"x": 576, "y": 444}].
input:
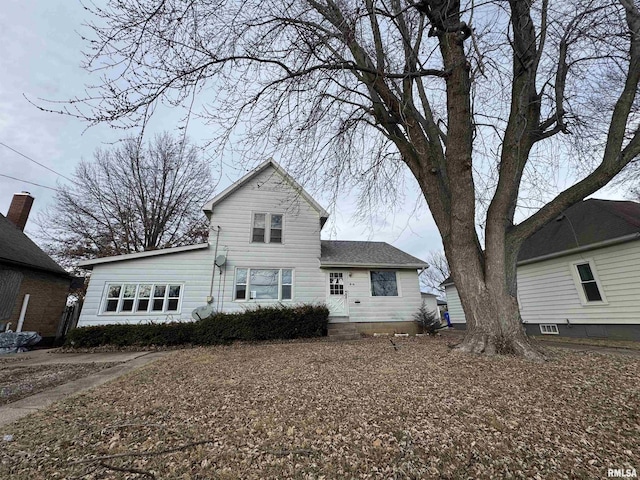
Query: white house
[
  {"x": 579, "y": 275},
  {"x": 431, "y": 303},
  {"x": 264, "y": 248}
]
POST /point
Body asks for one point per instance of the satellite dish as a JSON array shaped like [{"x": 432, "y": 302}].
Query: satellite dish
[
  {"x": 221, "y": 260},
  {"x": 202, "y": 312}
]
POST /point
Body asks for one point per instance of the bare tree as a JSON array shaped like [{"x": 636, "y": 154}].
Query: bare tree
[
  {"x": 431, "y": 279},
  {"x": 131, "y": 198},
  {"x": 361, "y": 89}
]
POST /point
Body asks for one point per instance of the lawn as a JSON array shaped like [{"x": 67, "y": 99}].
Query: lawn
[
  {"x": 341, "y": 410},
  {"x": 19, "y": 381}
]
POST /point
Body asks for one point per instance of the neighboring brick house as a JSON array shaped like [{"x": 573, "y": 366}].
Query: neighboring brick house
[{"x": 26, "y": 270}]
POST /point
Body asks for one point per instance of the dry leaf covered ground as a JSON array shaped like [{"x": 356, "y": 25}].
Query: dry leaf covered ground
[
  {"x": 312, "y": 410},
  {"x": 19, "y": 381}
]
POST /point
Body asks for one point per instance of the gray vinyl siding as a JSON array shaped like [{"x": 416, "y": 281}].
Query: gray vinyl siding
[
  {"x": 382, "y": 309},
  {"x": 456, "y": 313},
  {"x": 191, "y": 269},
  {"x": 268, "y": 192},
  {"x": 549, "y": 291}
]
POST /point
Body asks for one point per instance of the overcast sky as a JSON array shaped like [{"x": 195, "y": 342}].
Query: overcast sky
[{"x": 41, "y": 53}]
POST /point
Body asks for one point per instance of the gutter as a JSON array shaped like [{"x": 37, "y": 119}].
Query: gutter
[{"x": 409, "y": 266}]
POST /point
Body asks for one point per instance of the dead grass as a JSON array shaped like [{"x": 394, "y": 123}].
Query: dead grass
[
  {"x": 341, "y": 410},
  {"x": 18, "y": 381},
  {"x": 598, "y": 342}
]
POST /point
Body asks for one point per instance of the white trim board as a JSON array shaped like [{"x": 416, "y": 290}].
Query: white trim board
[{"x": 149, "y": 253}]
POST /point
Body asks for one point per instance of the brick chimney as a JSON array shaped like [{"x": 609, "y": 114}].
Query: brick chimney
[{"x": 19, "y": 209}]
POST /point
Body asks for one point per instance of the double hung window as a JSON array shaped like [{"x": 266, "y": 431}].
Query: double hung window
[
  {"x": 267, "y": 228},
  {"x": 589, "y": 283}
]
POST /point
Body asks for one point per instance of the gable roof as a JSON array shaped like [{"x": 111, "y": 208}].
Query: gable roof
[
  {"x": 149, "y": 253},
  {"x": 345, "y": 253},
  {"x": 18, "y": 250},
  {"x": 583, "y": 226},
  {"x": 589, "y": 224},
  {"x": 208, "y": 207}
]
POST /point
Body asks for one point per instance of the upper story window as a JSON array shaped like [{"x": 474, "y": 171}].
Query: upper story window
[
  {"x": 267, "y": 228},
  {"x": 142, "y": 298},
  {"x": 589, "y": 283}
]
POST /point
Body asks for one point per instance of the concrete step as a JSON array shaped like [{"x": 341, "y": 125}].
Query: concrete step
[
  {"x": 342, "y": 331},
  {"x": 342, "y": 328},
  {"x": 344, "y": 337}
]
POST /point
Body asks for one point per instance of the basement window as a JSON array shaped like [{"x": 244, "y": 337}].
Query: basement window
[{"x": 549, "y": 329}]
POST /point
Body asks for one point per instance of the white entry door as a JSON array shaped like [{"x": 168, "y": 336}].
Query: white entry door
[{"x": 337, "y": 294}]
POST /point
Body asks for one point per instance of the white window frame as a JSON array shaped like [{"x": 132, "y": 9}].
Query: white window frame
[
  {"x": 397, "y": 272},
  {"x": 248, "y": 295},
  {"x": 578, "y": 282},
  {"x": 267, "y": 228},
  {"x": 136, "y": 298},
  {"x": 549, "y": 329}
]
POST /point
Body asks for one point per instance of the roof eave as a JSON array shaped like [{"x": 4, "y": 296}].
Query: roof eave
[
  {"x": 591, "y": 246},
  {"x": 61, "y": 273},
  {"x": 208, "y": 207},
  {"x": 374, "y": 265},
  {"x": 89, "y": 264}
]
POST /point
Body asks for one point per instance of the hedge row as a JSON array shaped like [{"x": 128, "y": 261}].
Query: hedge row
[{"x": 262, "y": 323}]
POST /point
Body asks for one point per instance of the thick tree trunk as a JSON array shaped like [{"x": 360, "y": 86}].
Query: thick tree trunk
[
  {"x": 494, "y": 325},
  {"x": 489, "y": 300}
]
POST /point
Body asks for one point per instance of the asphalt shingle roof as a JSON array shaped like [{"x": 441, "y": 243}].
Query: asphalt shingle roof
[
  {"x": 585, "y": 223},
  {"x": 18, "y": 249},
  {"x": 352, "y": 253}
]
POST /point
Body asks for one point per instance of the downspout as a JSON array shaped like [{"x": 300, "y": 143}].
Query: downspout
[
  {"x": 213, "y": 272},
  {"x": 23, "y": 312},
  {"x": 224, "y": 284}
]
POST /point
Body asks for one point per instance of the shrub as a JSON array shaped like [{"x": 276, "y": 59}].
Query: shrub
[
  {"x": 123, "y": 335},
  {"x": 261, "y": 323},
  {"x": 429, "y": 321}
]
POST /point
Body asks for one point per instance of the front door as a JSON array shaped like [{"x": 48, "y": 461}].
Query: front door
[{"x": 337, "y": 294}]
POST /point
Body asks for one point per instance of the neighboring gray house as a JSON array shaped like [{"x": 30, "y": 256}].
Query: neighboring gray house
[
  {"x": 265, "y": 234},
  {"x": 579, "y": 275}
]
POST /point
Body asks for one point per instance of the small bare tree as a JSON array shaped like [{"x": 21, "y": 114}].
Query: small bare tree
[
  {"x": 131, "y": 198},
  {"x": 431, "y": 279},
  {"x": 357, "y": 90}
]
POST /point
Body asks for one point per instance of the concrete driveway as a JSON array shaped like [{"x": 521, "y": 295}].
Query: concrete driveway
[{"x": 127, "y": 362}]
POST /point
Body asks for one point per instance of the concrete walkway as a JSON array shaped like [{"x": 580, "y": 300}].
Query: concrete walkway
[
  {"x": 53, "y": 355},
  {"x": 129, "y": 361}
]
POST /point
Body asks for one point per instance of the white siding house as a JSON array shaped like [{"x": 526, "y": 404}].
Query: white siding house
[
  {"x": 431, "y": 303},
  {"x": 264, "y": 248},
  {"x": 579, "y": 275}
]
